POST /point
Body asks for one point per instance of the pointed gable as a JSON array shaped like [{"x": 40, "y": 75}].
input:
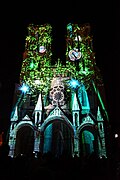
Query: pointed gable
[
  {"x": 26, "y": 117},
  {"x": 39, "y": 105},
  {"x": 15, "y": 114},
  {"x": 57, "y": 112},
  {"x": 99, "y": 116},
  {"x": 75, "y": 105}
]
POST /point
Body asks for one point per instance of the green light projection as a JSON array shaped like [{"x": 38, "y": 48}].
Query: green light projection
[
  {"x": 37, "y": 58},
  {"x": 80, "y": 57},
  {"x": 64, "y": 84}
]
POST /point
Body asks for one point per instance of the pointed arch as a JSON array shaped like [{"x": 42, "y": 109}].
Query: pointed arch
[
  {"x": 56, "y": 118},
  {"x": 24, "y": 140}
]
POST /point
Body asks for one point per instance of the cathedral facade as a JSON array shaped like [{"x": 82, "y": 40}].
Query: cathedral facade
[{"x": 59, "y": 108}]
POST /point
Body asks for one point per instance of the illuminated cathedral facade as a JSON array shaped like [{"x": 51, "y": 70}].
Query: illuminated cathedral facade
[{"x": 59, "y": 108}]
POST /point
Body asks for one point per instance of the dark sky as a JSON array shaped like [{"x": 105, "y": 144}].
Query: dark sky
[{"x": 104, "y": 19}]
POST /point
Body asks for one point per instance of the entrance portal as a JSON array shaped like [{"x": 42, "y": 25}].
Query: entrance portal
[{"x": 24, "y": 141}]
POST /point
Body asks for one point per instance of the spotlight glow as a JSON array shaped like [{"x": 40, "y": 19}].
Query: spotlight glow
[
  {"x": 24, "y": 88},
  {"x": 74, "y": 83},
  {"x": 116, "y": 135}
]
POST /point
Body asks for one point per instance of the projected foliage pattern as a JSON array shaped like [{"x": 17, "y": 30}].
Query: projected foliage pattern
[
  {"x": 37, "y": 71},
  {"x": 56, "y": 96},
  {"x": 80, "y": 57}
]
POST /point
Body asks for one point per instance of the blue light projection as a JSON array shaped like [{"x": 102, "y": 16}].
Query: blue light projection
[
  {"x": 74, "y": 84},
  {"x": 24, "y": 88}
]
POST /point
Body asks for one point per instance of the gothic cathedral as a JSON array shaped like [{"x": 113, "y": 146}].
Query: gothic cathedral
[{"x": 59, "y": 107}]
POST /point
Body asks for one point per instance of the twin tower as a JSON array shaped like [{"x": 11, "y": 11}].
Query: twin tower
[{"x": 59, "y": 107}]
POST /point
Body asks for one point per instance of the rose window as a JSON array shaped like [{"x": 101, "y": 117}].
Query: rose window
[{"x": 57, "y": 95}]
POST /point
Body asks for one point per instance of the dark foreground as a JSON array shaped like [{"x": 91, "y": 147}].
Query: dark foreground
[{"x": 49, "y": 167}]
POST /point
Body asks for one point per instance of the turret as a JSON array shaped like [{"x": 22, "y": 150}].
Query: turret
[
  {"x": 101, "y": 140},
  {"x": 75, "y": 110},
  {"x": 38, "y": 110}
]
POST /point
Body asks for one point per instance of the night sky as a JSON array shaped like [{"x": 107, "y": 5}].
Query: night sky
[{"x": 105, "y": 28}]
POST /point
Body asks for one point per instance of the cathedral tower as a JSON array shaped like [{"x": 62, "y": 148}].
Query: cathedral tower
[{"x": 59, "y": 107}]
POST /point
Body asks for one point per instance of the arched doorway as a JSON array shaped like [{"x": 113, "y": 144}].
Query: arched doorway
[
  {"x": 88, "y": 141},
  {"x": 57, "y": 139},
  {"x": 24, "y": 141}
]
